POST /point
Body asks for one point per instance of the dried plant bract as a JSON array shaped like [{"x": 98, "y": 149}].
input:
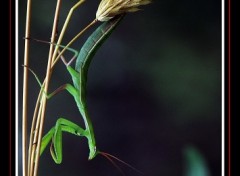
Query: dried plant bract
[{"x": 110, "y": 8}]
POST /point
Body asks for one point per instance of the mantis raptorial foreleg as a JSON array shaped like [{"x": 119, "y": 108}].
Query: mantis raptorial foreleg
[{"x": 55, "y": 134}]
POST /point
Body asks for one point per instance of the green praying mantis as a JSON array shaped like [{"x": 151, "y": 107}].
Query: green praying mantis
[{"x": 78, "y": 91}]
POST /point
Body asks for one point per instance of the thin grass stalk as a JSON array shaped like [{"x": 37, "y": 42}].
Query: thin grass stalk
[
  {"x": 25, "y": 93},
  {"x": 64, "y": 28},
  {"x": 32, "y": 134},
  {"x": 45, "y": 89}
]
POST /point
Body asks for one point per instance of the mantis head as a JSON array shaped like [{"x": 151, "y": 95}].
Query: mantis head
[{"x": 93, "y": 152}]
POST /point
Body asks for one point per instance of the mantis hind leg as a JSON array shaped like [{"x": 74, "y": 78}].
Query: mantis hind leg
[{"x": 55, "y": 135}]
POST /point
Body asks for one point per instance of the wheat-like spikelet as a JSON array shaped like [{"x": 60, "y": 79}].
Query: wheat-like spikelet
[{"x": 107, "y": 9}]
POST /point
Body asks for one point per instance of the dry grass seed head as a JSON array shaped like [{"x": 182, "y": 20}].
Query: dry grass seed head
[{"x": 107, "y": 9}]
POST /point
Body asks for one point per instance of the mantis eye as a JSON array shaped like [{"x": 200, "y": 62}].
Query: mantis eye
[{"x": 77, "y": 133}]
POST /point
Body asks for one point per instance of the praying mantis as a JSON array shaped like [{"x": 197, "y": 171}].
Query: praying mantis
[
  {"x": 78, "y": 91},
  {"x": 110, "y": 12}
]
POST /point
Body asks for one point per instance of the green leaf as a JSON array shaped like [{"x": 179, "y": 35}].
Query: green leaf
[{"x": 195, "y": 163}]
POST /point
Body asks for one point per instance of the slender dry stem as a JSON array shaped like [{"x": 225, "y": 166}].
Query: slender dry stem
[
  {"x": 65, "y": 27},
  {"x": 25, "y": 93},
  {"x": 33, "y": 135},
  {"x": 41, "y": 111}
]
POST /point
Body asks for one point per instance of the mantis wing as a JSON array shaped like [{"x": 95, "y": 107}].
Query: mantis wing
[{"x": 93, "y": 43}]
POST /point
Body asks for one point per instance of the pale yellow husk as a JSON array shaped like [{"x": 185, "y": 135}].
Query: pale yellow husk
[{"x": 107, "y": 9}]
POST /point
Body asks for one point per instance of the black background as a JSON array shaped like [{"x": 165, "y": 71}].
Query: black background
[{"x": 153, "y": 133}]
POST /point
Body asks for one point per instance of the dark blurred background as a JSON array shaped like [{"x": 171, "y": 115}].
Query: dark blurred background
[{"x": 154, "y": 87}]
